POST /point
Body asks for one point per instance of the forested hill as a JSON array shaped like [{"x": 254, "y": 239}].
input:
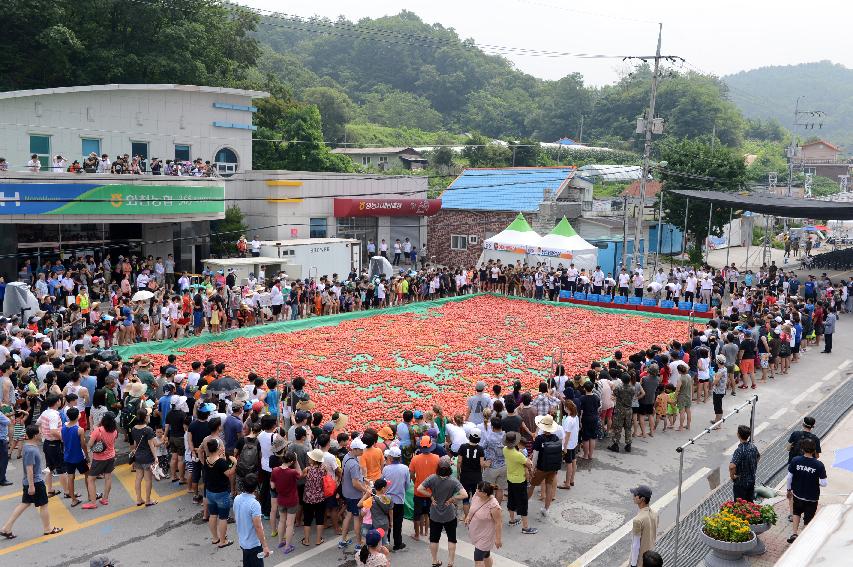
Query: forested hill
[
  {"x": 399, "y": 71},
  {"x": 771, "y": 92}
]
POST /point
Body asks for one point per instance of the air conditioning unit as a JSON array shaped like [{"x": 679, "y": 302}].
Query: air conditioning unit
[{"x": 473, "y": 239}]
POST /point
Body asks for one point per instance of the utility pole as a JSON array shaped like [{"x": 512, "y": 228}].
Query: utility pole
[
  {"x": 580, "y": 134},
  {"x": 650, "y": 125},
  {"x": 807, "y": 119}
]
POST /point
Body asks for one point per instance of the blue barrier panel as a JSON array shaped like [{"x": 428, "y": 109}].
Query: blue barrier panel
[
  {"x": 592, "y": 297},
  {"x": 565, "y": 295},
  {"x": 685, "y": 305},
  {"x": 649, "y": 302},
  {"x": 620, "y": 300},
  {"x": 667, "y": 304},
  {"x": 700, "y": 307},
  {"x": 580, "y": 296},
  {"x": 634, "y": 301}
]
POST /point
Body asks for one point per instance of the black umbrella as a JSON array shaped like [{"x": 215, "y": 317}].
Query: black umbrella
[{"x": 224, "y": 385}]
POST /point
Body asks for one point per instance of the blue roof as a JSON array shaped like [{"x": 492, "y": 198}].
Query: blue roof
[{"x": 508, "y": 189}]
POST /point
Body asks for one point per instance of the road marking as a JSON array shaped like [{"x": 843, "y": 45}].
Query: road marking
[
  {"x": 466, "y": 550},
  {"x": 758, "y": 429},
  {"x": 829, "y": 376},
  {"x": 799, "y": 398},
  {"x": 625, "y": 528},
  {"x": 83, "y": 525},
  {"x": 57, "y": 485},
  {"x": 845, "y": 364},
  {"x": 127, "y": 479},
  {"x": 316, "y": 550},
  {"x": 813, "y": 387},
  {"x": 778, "y": 414}
]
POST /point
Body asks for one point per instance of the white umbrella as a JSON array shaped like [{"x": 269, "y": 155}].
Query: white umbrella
[{"x": 142, "y": 295}]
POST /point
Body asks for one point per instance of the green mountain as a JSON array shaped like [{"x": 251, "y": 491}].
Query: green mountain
[{"x": 771, "y": 93}]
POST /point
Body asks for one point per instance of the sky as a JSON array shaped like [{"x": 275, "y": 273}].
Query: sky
[{"x": 719, "y": 37}]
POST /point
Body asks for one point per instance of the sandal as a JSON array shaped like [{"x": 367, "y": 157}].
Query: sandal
[
  {"x": 54, "y": 531},
  {"x": 77, "y": 503},
  {"x": 53, "y": 493},
  {"x": 8, "y": 535},
  {"x": 215, "y": 542},
  {"x": 305, "y": 542},
  {"x": 104, "y": 502},
  {"x": 149, "y": 504},
  {"x": 226, "y": 544},
  {"x": 436, "y": 564},
  {"x": 564, "y": 486},
  {"x": 321, "y": 542}
]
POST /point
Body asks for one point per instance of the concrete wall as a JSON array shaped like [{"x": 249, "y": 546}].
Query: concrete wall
[
  {"x": 285, "y": 201},
  {"x": 162, "y": 118}
]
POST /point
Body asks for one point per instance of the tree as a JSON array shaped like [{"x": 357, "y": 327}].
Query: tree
[
  {"x": 480, "y": 151},
  {"x": 390, "y": 107},
  {"x": 290, "y": 136},
  {"x": 693, "y": 164},
  {"x": 225, "y": 232},
  {"x": 84, "y": 42},
  {"x": 528, "y": 153},
  {"x": 335, "y": 107}
]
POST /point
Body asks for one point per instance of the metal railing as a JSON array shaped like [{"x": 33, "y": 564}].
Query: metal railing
[{"x": 680, "y": 450}]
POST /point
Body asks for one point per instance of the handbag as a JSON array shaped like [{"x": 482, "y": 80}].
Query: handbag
[
  {"x": 99, "y": 446},
  {"x": 330, "y": 486},
  {"x": 131, "y": 455}
]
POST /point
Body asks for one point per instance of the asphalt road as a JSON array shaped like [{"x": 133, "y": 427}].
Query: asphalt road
[{"x": 585, "y": 523}]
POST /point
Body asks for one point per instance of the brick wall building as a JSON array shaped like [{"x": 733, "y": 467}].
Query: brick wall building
[{"x": 449, "y": 230}]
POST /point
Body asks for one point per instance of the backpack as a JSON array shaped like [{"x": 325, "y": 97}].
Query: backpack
[
  {"x": 551, "y": 456},
  {"x": 128, "y": 411},
  {"x": 249, "y": 457}
]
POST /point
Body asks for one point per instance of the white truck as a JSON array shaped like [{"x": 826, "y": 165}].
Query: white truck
[{"x": 315, "y": 257}]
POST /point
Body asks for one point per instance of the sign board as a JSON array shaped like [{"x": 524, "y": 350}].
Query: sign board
[
  {"x": 386, "y": 207},
  {"x": 109, "y": 199}
]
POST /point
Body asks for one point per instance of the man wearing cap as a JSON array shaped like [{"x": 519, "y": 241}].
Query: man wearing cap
[
  {"x": 624, "y": 395},
  {"x": 477, "y": 403},
  {"x": 644, "y": 526},
  {"x": 795, "y": 448},
  {"x": 423, "y": 464},
  {"x": 399, "y": 480},
  {"x": 744, "y": 464},
  {"x": 352, "y": 488}
]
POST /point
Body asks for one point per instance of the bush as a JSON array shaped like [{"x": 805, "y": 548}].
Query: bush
[{"x": 749, "y": 511}]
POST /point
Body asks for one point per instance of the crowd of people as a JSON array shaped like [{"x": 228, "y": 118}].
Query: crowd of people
[
  {"x": 121, "y": 164},
  {"x": 69, "y": 405}
]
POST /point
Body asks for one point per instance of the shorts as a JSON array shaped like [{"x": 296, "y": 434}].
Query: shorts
[
  {"x": 38, "y": 499},
  {"x": 198, "y": 472},
  {"x": 276, "y": 309},
  {"x": 218, "y": 504},
  {"x": 480, "y": 555},
  {"x": 540, "y": 475},
  {"x": 177, "y": 446},
  {"x": 435, "y": 529},
  {"x": 647, "y": 409},
  {"x": 53, "y": 456},
  {"x": 287, "y": 509},
  {"x": 516, "y": 493},
  {"x": 250, "y": 557},
  {"x": 352, "y": 505},
  {"x": 731, "y": 371},
  {"x": 421, "y": 506},
  {"x": 718, "y": 403},
  {"x": 569, "y": 455},
  {"x": 105, "y": 466},
  {"x": 470, "y": 489},
  {"x": 747, "y": 365},
  {"x": 606, "y": 414},
  {"x": 496, "y": 477},
  {"x": 313, "y": 514},
  {"x": 331, "y": 502},
  {"x": 82, "y": 467},
  {"x": 805, "y": 508}
]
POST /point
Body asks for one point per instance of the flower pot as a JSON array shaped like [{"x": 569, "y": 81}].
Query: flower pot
[
  {"x": 725, "y": 553},
  {"x": 759, "y": 548}
]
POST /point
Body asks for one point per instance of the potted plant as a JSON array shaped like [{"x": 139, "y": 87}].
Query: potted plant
[
  {"x": 729, "y": 537},
  {"x": 760, "y": 519}
]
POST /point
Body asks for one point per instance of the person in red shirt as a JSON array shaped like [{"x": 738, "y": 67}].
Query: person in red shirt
[{"x": 283, "y": 480}]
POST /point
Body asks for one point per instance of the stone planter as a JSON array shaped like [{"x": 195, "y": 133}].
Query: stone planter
[
  {"x": 726, "y": 554},
  {"x": 759, "y": 548}
]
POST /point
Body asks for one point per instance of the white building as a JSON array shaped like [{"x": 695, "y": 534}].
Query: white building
[{"x": 182, "y": 122}]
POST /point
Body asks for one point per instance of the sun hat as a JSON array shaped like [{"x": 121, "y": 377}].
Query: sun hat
[
  {"x": 242, "y": 396},
  {"x": 305, "y": 404},
  {"x": 511, "y": 439},
  {"x": 418, "y": 414},
  {"x": 316, "y": 455},
  {"x": 546, "y": 423},
  {"x": 426, "y": 444},
  {"x": 279, "y": 444},
  {"x": 357, "y": 444},
  {"x": 340, "y": 420},
  {"x": 386, "y": 433},
  {"x": 138, "y": 389}
]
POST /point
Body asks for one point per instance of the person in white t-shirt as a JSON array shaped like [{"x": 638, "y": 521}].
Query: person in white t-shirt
[
  {"x": 255, "y": 247},
  {"x": 571, "y": 428},
  {"x": 690, "y": 287},
  {"x": 34, "y": 164},
  {"x": 624, "y": 281}
]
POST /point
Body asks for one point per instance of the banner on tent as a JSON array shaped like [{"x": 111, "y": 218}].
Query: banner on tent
[
  {"x": 553, "y": 253},
  {"x": 508, "y": 247}
]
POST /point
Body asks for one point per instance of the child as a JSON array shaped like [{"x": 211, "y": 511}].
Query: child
[
  {"x": 19, "y": 426},
  {"x": 160, "y": 469},
  {"x": 661, "y": 403},
  {"x": 215, "y": 316},
  {"x": 146, "y": 328},
  {"x": 671, "y": 405},
  {"x": 377, "y": 508}
]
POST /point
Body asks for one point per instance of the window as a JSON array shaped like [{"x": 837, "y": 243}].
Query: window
[
  {"x": 809, "y": 170},
  {"x": 318, "y": 228},
  {"x": 40, "y": 145},
  {"x": 226, "y": 162},
  {"x": 141, "y": 149},
  {"x": 182, "y": 152},
  {"x": 383, "y": 159},
  {"x": 90, "y": 145},
  {"x": 459, "y": 242},
  {"x": 365, "y": 160}
]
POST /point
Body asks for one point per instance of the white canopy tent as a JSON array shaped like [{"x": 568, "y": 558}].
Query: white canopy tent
[
  {"x": 564, "y": 246},
  {"x": 515, "y": 242}
]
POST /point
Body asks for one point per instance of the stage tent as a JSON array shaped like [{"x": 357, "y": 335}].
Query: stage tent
[
  {"x": 565, "y": 246},
  {"x": 516, "y": 242}
]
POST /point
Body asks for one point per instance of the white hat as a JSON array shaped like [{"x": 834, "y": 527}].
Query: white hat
[
  {"x": 393, "y": 452},
  {"x": 546, "y": 423},
  {"x": 357, "y": 443}
]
